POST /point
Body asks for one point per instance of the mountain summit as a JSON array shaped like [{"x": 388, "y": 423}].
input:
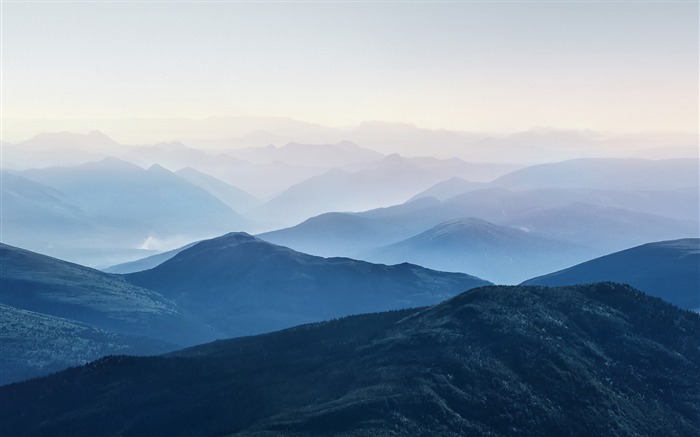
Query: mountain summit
[{"x": 243, "y": 285}]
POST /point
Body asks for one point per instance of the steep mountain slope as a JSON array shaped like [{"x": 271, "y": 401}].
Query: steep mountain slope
[
  {"x": 242, "y": 285},
  {"x": 667, "y": 269},
  {"x": 595, "y": 360},
  {"x": 499, "y": 253},
  {"x": 38, "y": 283}
]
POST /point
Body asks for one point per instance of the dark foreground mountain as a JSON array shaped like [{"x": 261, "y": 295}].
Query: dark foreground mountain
[
  {"x": 594, "y": 360},
  {"x": 667, "y": 269},
  {"x": 242, "y": 285},
  {"x": 56, "y": 314}
]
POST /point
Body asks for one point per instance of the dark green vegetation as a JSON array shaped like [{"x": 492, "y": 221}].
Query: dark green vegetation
[
  {"x": 593, "y": 360},
  {"x": 35, "y": 344},
  {"x": 242, "y": 285},
  {"x": 667, "y": 269},
  {"x": 55, "y": 314}
]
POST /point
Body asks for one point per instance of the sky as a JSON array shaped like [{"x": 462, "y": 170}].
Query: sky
[{"x": 470, "y": 66}]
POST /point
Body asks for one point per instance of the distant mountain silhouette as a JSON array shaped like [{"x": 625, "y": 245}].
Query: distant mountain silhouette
[
  {"x": 606, "y": 174},
  {"x": 156, "y": 198},
  {"x": 148, "y": 262},
  {"x": 242, "y": 285},
  {"x": 127, "y": 206},
  {"x": 667, "y": 269},
  {"x": 95, "y": 140},
  {"x": 392, "y": 180},
  {"x": 60, "y": 148},
  {"x": 318, "y": 155},
  {"x": 87, "y": 302},
  {"x": 352, "y": 234},
  {"x": 30, "y": 208},
  {"x": 330, "y": 234},
  {"x": 235, "y": 198},
  {"x": 449, "y": 188},
  {"x": 599, "y": 221},
  {"x": 604, "y": 227},
  {"x": 590, "y": 360},
  {"x": 261, "y": 180},
  {"x": 498, "y": 253}
]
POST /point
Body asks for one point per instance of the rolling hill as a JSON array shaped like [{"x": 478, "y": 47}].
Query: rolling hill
[
  {"x": 594, "y": 360},
  {"x": 242, "y": 285},
  {"x": 504, "y": 255},
  {"x": 667, "y": 269}
]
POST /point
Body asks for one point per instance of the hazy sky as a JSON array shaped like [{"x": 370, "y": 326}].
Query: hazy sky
[{"x": 619, "y": 66}]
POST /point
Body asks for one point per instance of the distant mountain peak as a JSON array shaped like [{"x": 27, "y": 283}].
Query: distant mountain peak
[
  {"x": 232, "y": 239},
  {"x": 157, "y": 168},
  {"x": 112, "y": 163},
  {"x": 393, "y": 159},
  {"x": 65, "y": 139}
]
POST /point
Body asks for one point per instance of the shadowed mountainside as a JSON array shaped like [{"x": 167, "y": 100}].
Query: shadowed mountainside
[
  {"x": 242, "y": 285},
  {"x": 596, "y": 360},
  {"x": 43, "y": 296},
  {"x": 667, "y": 269}
]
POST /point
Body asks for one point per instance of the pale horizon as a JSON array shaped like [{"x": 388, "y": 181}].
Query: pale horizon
[{"x": 621, "y": 67}]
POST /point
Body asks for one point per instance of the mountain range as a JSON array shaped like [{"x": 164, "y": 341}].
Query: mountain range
[
  {"x": 598, "y": 360},
  {"x": 232, "y": 285},
  {"x": 534, "y": 145},
  {"x": 110, "y": 211},
  {"x": 590, "y": 223},
  {"x": 501, "y": 254}
]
